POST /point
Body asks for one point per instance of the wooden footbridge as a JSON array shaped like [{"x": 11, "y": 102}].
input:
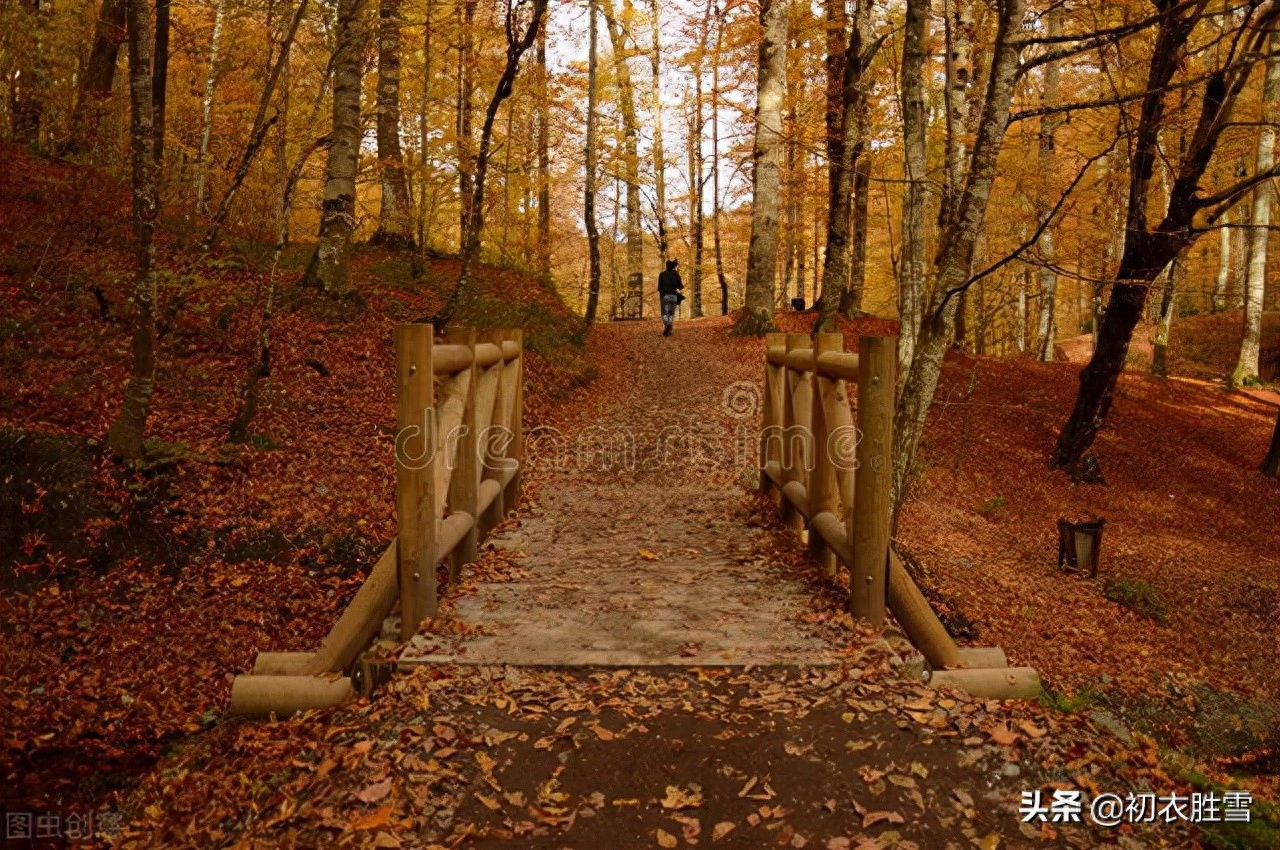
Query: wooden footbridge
[{"x": 460, "y": 450}]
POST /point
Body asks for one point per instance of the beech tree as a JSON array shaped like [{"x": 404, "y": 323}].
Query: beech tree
[
  {"x": 1189, "y": 212},
  {"x": 757, "y": 314},
  {"x": 1046, "y": 326},
  {"x": 98, "y": 79},
  {"x": 261, "y": 123},
  {"x": 544, "y": 160},
  {"x": 520, "y": 35},
  {"x": 721, "y": 280},
  {"x": 912, "y": 267},
  {"x": 848, "y": 56},
  {"x": 618, "y": 36},
  {"x": 659, "y": 156},
  {"x": 960, "y": 231},
  {"x": 206, "y": 108},
  {"x": 589, "y": 155},
  {"x": 328, "y": 268},
  {"x": 126, "y": 432},
  {"x": 395, "y": 217},
  {"x": 1256, "y": 275},
  {"x": 1271, "y": 463}
]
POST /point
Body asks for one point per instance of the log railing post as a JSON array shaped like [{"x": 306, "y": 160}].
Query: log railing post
[
  {"x": 822, "y": 491},
  {"x": 793, "y": 424},
  {"x": 516, "y": 450},
  {"x": 869, "y": 522},
  {"x": 774, "y": 386},
  {"x": 416, "y": 456},
  {"x": 464, "y": 483},
  {"x": 493, "y": 418}
]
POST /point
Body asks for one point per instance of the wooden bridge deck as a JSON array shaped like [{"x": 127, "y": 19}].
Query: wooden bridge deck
[{"x": 633, "y": 574}]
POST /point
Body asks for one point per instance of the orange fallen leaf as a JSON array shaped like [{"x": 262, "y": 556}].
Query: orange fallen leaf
[
  {"x": 872, "y": 818},
  {"x": 666, "y": 839},
  {"x": 374, "y": 820},
  {"x": 374, "y": 792},
  {"x": 1032, "y": 729},
  {"x": 1003, "y": 735},
  {"x": 722, "y": 829},
  {"x": 869, "y": 774},
  {"x": 677, "y": 798}
]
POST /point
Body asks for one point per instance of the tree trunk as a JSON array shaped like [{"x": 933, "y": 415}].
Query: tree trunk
[
  {"x": 715, "y": 162},
  {"x": 696, "y": 178},
  {"x": 756, "y": 317},
  {"x": 328, "y": 267},
  {"x": 424, "y": 127},
  {"x": 791, "y": 194},
  {"x": 260, "y": 126},
  {"x": 1256, "y": 279},
  {"x": 160, "y": 78},
  {"x": 861, "y": 200},
  {"x": 544, "y": 161},
  {"x": 659, "y": 157},
  {"x": 1240, "y": 252},
  {"x": 1160, "y": 348},
  {"x": 464, "y": 293},
  {"x": 1147, "y": 251},
  {"x": 959, "y": 69},
  {"x": 1224, "y": 269},
  {"x": 125, "y": 434},
  {"x": 839, "y": 185},
  {"x": 395, "y": 216},
  {"x": 696, "y": 165},
  {"x": 466, "y": 93},
  {"x": 238, "y": 431},
  {"x": 99, "y": 75},
  {"x": 1020, "y": 317},
  {"x": 956, "y": 248},
  {"x": 589, "y": 201},
  {"x": 849, "y": 128},
  {"x": 914, "y": 121},
  {"x": 630, "y": 156},
  {"x": 206, "y": 106},
  {"x": 28, "y": 85},
  {"x": 1271, "y": 463},
  {"x": 1047, "y": 150}
]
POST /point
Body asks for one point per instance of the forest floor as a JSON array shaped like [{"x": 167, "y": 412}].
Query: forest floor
[
  {"x": 128, "y": 600},
  {"x": 644, "y": 658}
]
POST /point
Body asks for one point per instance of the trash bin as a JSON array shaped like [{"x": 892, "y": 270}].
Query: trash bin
[{"x": 1079, "y": 544}]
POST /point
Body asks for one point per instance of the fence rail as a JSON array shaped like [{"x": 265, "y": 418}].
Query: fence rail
[
  {"x": 459, "y": 451},
  {"x": 830, "y": 475}
]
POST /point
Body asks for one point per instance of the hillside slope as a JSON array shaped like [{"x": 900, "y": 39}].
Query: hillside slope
[{"x": 129, "y": 598}]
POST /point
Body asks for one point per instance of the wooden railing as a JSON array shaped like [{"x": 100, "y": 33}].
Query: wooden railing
[
  {"x": 830, "y": 475},
  {"x": 458, "y": 454}
]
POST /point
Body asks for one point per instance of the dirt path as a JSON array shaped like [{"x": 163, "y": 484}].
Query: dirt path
[
  {"x": 643, "y": 659},
  {"x": 646, "y": 550}
]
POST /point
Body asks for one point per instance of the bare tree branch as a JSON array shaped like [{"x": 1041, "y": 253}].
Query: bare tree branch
[{"x": 1031, "y": 240}]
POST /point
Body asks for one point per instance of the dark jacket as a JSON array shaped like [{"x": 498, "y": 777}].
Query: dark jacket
[{"x": 669, "y": 282}]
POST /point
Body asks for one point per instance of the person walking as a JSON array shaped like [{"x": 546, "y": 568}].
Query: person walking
[{"x": 669, "y": 286}]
